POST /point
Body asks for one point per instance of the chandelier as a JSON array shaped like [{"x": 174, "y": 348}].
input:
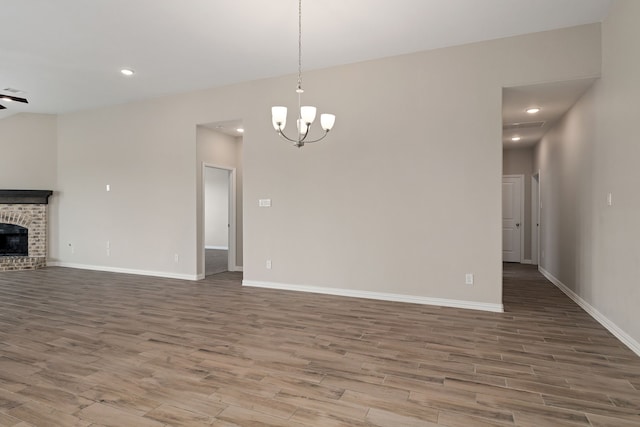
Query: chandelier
[{"x": 306, "y": 114}]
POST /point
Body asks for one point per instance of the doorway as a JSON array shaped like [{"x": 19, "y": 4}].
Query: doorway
[
  {"x": 535, "y": 218},
  {"x": 219, "y": 219}
]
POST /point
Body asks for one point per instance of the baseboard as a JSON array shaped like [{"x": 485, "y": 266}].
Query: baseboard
[
  {"x": 222, "y": 248},
  {"x": 593, "y": 312},
  {"x": 472, "y": 305},
  {"x": 527, "y": 261},
  {"x": 124, "y": 270},
  {"x": 238, "y": 268}
]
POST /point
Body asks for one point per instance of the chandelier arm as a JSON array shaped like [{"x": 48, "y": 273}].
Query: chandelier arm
[
  {"x": 326, "y": 132},
  {"x": 282, "y": 134},
  {"x": 299, "y": 140}
]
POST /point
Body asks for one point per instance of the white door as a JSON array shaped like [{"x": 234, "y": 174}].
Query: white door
[{"x": 512, "y": 217}]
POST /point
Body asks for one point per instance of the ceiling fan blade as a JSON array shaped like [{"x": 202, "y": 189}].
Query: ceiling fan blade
[
  {"x": 2, "y": 107},
  {"x": 14, "y": 98}
]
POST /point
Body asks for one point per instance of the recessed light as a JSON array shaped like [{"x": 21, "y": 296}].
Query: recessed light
[
  {"x": 240, "y": 130},
  {"x": 515, "y": 138},
  {"x": 532, "y": 110},
  {"x": 127, "y": 72}
]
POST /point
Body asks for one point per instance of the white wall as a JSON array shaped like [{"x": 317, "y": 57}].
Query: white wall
[
  {"x": 590, "y": 247},
  {"x": 403, "y": 197},
  {"x": 216, "y": 208}
]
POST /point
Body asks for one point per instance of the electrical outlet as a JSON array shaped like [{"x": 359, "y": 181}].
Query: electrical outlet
[
  {"x": 268, "y": 264},
  {"x": 468, "y": 279},
  {"x": 176, "y": 257}
]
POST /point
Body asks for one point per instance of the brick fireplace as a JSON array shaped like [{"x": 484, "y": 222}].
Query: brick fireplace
[{"x": 26, "y": 209}]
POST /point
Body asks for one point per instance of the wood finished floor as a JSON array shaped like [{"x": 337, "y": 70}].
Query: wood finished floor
[
  {"x": 80, "y": 348},
  {"x": 215, "y": 261}
]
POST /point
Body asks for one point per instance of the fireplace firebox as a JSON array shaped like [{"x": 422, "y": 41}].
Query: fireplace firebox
[{"x": 14, "y": 240}]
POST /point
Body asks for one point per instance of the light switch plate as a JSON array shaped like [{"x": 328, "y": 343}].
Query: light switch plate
[{"x": 264, "y": 203}]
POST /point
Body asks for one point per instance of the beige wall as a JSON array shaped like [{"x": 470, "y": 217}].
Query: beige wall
[
  {"x": 28, "y": 161},
  {"x": 411, "y": 207},
  {"x": 217, "y": 149},
  {"x": 565, "y": 160},
  {"x": 590, "y": 247},
  {"x": 146, "y": 152},
  {"x": 28, "y": 152},
  {"x": 403, "y": 197},
  {"x": 519, "y": 161}
]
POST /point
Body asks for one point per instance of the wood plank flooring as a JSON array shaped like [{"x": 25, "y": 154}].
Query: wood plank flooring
[
  {"x": 215, "y": 261},
  {"x": 81, "y": 348}
]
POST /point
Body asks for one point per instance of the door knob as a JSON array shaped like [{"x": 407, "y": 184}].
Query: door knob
[{"x": 517, "y": 224}]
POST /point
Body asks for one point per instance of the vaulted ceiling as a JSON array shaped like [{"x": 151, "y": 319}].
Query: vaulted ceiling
[{"x": 66, "y": 55}]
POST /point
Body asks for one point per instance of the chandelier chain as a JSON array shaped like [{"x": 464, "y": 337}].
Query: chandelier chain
[{"x": 299, "y": 45}]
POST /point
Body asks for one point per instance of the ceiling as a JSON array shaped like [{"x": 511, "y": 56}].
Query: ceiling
[
  {"x": 65, "y": 55},
  {"x": 228, "y": 127},
  {"x": 553, "y": 100}
]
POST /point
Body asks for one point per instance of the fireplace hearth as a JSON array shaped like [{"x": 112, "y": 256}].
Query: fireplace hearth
[{"x": 23, "y": 229}]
